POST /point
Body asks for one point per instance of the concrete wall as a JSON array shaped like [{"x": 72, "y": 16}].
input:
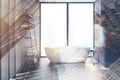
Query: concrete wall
[
  {"x": 11, "y": 56},
  {"x": 20, "y": 54},
  {"x": 4, "y": 68},
  {"x": 108, "y": 51},
  {"x": 12, "y": 61}
]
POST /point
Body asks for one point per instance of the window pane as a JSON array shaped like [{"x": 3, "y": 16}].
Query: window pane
[
  {"x": 81, "y": 25},
  {"x": 53, "y": 25}
]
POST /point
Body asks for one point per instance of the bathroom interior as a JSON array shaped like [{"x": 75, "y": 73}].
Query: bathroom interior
[{"x": 59, "y": 39}]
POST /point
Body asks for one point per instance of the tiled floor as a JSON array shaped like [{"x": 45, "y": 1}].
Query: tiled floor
[
  {"x": 114, "y": 72},
  {"x": 73, "y": 71}
]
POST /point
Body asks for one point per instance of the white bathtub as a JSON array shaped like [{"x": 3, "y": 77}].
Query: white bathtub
[{"x": 66, "y": 54}]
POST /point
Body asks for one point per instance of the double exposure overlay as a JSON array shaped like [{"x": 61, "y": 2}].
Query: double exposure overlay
[{"x": 59, "y": 39}]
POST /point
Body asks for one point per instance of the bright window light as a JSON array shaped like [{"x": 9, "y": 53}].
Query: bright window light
[
  {"x": 81, "y": 25},
  {"x": 53, "y": 25}
]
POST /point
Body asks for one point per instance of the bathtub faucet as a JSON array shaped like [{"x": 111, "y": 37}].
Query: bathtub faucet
[{"x": 91, "y": 53}]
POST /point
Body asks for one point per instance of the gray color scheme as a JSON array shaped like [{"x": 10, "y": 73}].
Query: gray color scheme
[
  {"x": 114, "y": 72},
  {"x": 110, "y": 22},
  {"x": 67, "y": 54},
  {"x": 74, "y": 71}
]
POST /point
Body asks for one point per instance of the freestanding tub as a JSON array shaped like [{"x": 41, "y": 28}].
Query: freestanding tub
[{"x": 66, "y": 54}]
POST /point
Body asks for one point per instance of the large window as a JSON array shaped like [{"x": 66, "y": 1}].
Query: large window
[
  {"x": 81, "y": 25},
  {"x": 53, "y": 25},
  {"x": 66, "y": 23}
]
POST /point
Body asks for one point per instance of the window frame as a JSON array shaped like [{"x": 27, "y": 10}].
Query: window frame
[{"x": 67, "y": 3}]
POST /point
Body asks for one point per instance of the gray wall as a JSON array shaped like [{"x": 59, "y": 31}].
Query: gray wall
[
  {"x": 4, "y": 68},
  {"x": 12, "y": 56},
  {"x": 109, "y": 52},
  {"x": 12, "y": 61},
  {"x": 20, "y": 54}
]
